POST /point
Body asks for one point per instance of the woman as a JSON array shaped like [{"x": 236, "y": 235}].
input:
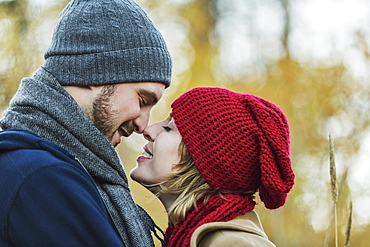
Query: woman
[{"x": 206, "y": 161}]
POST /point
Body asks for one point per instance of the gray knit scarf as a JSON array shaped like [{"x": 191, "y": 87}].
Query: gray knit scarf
[{"x": 42, "y": 106}]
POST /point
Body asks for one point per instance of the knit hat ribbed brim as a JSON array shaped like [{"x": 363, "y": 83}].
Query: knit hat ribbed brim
[
  {"x": 106, "y": 42},
  {"x": 239, "y": 142}
]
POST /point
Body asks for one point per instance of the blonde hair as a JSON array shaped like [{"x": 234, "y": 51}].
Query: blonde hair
[{"x": 186, "y": 182}]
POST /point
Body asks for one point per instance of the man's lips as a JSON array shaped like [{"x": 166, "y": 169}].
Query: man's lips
[
  {"x": 124, "y": 132},
  {"x": 126, "y": 129}
]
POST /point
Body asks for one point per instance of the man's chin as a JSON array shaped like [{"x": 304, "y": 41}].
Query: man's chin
[{"x": 115, "y": 140}]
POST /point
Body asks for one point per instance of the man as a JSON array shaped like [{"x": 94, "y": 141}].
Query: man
[{"x": 62, "y": 182}]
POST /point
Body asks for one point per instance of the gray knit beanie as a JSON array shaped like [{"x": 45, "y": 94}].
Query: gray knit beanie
[{"x": 98, "y": 42}]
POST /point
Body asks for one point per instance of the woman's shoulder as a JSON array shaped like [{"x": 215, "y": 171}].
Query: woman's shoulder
[{"x": 244, "y": 230}]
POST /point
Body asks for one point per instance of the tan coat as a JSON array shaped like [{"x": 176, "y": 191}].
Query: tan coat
[{"x": 245, "y": 230}]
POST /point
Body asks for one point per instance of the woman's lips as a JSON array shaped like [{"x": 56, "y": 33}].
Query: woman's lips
[
  {"x": 147, "y": 155},
  {"x": 146, "y": 149}
]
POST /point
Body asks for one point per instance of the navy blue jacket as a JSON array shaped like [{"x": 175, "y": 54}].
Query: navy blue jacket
[{"x": 47, "y": 198}]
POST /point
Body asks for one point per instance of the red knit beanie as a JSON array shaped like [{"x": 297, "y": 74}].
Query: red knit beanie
[{"x": 239, "y": 142}]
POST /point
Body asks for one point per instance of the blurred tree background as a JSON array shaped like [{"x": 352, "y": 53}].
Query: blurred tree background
[{"x": 309, "y": 57}]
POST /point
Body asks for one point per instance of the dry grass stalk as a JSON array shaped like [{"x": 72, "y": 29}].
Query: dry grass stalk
[
  {"x": 333, "y": 173},
  {"x": 334, "y": 189},
  {"x": 349, "y": 226}
]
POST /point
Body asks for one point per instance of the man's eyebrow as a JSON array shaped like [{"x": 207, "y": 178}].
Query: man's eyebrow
[{"x": 152, "y": 97}]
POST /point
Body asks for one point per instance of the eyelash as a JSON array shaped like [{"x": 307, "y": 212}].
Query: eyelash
[
  {"x": 166, "y": 128},
  {"x": 144, "y": 102}
]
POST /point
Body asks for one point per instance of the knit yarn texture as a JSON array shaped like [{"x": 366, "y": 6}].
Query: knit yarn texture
[
  {"x": 98, "y": 42},
  {"x": 239, "y": 142},
  {"x": 41, "y": 105},
  {"x": 215, "y": 209}
]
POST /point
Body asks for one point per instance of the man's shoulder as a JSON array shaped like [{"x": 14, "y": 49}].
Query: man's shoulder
[
  {"x": 23, "y": 154},
  {"x": 15, "y": 139},
  {"x": 19, "y": 146},
  {"x": 44, "y": 188}
]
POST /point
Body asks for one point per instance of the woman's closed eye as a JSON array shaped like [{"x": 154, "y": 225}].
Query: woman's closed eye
[{"x": 166, "y": 128}]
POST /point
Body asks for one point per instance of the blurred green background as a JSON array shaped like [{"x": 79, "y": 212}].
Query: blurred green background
[{"x": 309, "y": 57}]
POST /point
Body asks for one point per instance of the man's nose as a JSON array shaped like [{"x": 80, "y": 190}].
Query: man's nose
[{"x": 141, "y": 122}]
